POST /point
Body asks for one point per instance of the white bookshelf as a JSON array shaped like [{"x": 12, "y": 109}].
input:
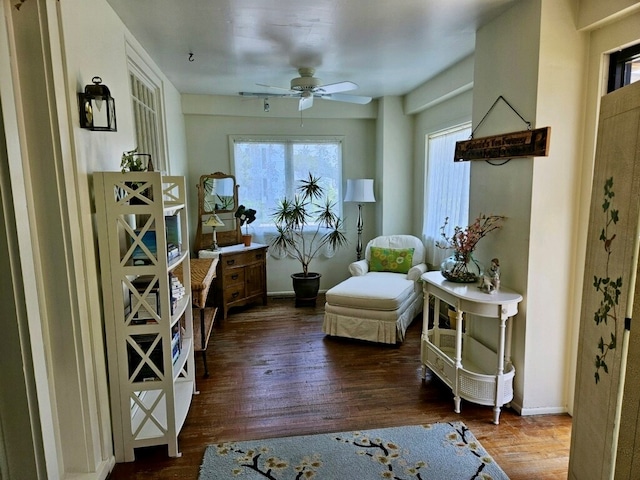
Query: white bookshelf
[{"x": 151, "y": 381}]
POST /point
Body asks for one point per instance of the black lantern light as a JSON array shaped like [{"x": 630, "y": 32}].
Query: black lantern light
[{"x": 97, "y": 107}]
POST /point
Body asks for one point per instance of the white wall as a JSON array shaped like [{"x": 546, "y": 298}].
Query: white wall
[
  {"x": 454, "y": 111},
  {"x": 595, "y": 13},
  {"x": 540, "y": 72},
  {"x": 394, "y": 168},
  {"x": 56, "y": 56},
  {"x": 209, "y": 122}
]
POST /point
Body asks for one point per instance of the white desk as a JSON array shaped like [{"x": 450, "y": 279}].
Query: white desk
[{"x": 475, "y": 372}]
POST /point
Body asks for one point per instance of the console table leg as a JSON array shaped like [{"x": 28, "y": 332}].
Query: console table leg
[
  {"x": 456, "y": 402},
  {"x": 496, "y": 415}
]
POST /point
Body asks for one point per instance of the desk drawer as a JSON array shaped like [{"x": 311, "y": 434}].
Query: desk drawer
[
  {"x": 242, "y": 258},
  {"x": 233, "y": 293},
  {"x": 233, "y": 276}
]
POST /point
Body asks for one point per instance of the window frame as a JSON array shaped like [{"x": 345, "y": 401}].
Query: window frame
[
  {"x": 289, "y": 141},
  {"x": 619, "y": 75},
  {"x": 147, "y": 76},
  {"x": 434, "y": 255}
]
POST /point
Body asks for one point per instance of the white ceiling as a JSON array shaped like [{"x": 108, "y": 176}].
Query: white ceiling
[{"x": 387, "y": 47}]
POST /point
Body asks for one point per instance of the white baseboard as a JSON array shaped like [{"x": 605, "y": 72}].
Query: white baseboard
[
  {"x": 538, "y": 410},
  {"x": 288, "y": 294},
  {"x": 102, "y": 471}
]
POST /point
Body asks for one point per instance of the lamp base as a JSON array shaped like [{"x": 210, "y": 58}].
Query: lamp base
[{"x": 359, "y": 226}]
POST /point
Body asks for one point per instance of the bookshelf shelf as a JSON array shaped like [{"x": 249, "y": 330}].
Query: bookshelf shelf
[{"x": 143, "y": 238}]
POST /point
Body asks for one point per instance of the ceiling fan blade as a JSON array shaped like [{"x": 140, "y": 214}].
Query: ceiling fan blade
[
  {"x": 277, "y": 88},
  {"x": 306, "y": 101},
  {"x": 338, "y": 97},
  {"x": 337, "y": 87}
]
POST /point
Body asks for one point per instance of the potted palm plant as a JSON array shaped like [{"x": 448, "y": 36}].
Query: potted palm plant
[{"x": 304, "y": 225}]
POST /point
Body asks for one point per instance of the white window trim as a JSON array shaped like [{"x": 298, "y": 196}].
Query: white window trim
[{"x": 149, "y": 75}]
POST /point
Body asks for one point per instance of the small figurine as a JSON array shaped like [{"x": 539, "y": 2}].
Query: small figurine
[
  {"x": 494, "y": 273},
  {"x": 486, "y": 285},
  {"x": 490, "y": 282}
]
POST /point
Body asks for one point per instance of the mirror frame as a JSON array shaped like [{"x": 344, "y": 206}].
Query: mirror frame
[
  {"x": 202, "y": 193},
  {"x": 231, "y": 235}
]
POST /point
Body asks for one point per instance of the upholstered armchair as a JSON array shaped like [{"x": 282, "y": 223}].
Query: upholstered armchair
[{"x": 383, "y": 295}]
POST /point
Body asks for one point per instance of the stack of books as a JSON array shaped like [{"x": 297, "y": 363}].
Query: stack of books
[
  {"x": 177, "y": 291},
  {"x": 176, "y": 343},
  {"x": 149, "y": 307},
  {"x": 173, "y": 251}
]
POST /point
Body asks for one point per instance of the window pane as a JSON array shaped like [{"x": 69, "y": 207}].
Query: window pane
[
  {"x": 633, "y": 67},
  {"x": 268, "y": 171},
  {"x": 624, "y": 68},
  {"x": 145, "y": 120},
  {"x": 446, "y": 190}
]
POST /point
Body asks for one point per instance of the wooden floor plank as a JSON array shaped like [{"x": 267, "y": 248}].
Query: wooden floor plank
[{"x": 273, "y": 373}]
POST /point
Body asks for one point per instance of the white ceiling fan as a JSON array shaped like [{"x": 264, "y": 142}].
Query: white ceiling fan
[{"x": 307, "y": 87}]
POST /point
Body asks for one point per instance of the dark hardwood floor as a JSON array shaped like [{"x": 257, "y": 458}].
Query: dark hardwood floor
[{"x": 274, "y": 373}]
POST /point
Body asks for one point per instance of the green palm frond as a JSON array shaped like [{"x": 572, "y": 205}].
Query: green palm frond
[{"x": 301, "y": 224}]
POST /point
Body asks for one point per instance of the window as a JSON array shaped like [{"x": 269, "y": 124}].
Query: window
[
  {"x": 446, "y": 189},
  {"x": 268, "y": 170},
  {"x": 146, "y": 101},
  {"x": 624, "y": 68}
]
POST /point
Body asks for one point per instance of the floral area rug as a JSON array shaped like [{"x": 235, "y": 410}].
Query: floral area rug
[{"x": 440, "y": 451}]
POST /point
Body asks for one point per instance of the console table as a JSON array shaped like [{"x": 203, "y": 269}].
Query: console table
[{"x": 472, "y": 370}]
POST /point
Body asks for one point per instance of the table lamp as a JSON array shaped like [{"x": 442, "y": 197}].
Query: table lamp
[
  {"x": 214, "y": 221},
  {"x": 359, "y": 190}
]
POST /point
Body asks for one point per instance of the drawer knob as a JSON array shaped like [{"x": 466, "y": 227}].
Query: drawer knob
[
  {"x": 235, "y": 294},
  {"x": 231, "y": 262},
  {"x": 234, "y": 276},
  {"x": 258, "y": 256}
]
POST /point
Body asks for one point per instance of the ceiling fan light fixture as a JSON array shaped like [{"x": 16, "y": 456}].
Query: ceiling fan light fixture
[{"x": 305, "y": 84}]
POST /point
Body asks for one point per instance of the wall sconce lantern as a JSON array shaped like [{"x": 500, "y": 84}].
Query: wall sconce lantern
[{"x": 97, "y": 107}]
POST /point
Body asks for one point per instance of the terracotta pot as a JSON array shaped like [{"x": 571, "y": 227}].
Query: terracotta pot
[{"x": 246, "y": 239}]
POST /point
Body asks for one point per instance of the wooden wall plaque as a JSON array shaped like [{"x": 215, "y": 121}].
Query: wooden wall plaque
[{"x": 528, "y": 143}]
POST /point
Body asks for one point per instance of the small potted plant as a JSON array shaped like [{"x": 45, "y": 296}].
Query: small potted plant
[
  {"x": 245, "y": 216},
  {"x": 304, "y": 225},
  {"x": 132, "y": 161}
]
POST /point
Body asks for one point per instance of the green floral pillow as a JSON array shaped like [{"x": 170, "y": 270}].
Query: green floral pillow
[{"x": 397, "y": 260}]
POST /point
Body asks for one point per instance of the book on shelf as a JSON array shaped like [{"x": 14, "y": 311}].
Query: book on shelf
[
  {"x": 140, "y": 370},
  {"x": 139, "y": 256},
  {"x": 174, "y": 230},
  {"x": 176, "y": 343},
  {"x": 149, "y": 307}
]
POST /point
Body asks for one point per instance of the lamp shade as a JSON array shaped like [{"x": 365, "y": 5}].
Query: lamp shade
[
  {"x": 214, "y": 221},
  {"x": 360, "y": 190}
]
